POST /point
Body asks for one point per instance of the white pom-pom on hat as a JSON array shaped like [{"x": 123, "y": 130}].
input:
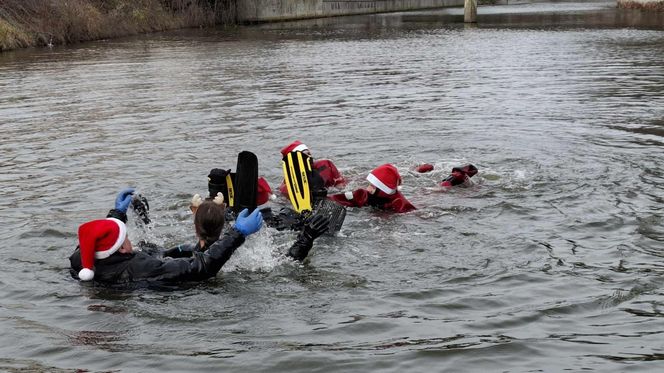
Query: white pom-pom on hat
[{"x": 86, "y": 274}]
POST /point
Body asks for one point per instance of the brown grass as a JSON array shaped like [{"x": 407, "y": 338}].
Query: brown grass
[
  {"x": 657, "y": 6},
  {"x": 26, "y": 23}
]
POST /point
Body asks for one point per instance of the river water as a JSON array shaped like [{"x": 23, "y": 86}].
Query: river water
[{"x": 553, "y": 260}]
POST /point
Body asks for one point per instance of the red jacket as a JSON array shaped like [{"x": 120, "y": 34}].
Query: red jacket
[{"x": 360, "y": 197}]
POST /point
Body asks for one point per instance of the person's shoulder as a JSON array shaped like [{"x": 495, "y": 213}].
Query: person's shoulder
[
  {"x": 400, "y": 204},
  {"x": 323, "y": 162}
]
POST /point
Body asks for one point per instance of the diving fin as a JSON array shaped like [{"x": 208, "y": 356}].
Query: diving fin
[
  {"x": 335, "y": 213},
  {"x": 245, "y": 184},
  {"x": 297, "y": 177}
]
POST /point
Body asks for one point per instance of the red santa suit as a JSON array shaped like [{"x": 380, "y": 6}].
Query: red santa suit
[{"x": 387, "y": 180}]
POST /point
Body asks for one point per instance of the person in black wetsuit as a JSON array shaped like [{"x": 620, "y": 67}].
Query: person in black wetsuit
[
  {"x": 208, "y": 230},
  {"x": 106, "y": 255}
]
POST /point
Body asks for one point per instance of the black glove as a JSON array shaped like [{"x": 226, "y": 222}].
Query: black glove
[
  {"x": 315, "y": 226},
  {"x": 141, "y": 207},
  {"x": 117, "y": 214}
]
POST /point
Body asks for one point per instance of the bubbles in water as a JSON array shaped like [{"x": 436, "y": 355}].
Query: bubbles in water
[
  {"x": 519, "y": 174},
  {"x": 258, "y": 253}
]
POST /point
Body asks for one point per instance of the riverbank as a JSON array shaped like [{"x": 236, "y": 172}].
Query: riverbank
[
  {"x": 29, "y": 23},
  {"x": 656, "y": 5}
]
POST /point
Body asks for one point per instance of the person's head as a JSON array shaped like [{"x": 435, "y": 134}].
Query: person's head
[
  {"x": 295, "y": 146},
  {"x": 384, "y": 180},
  {"x": 263, "y": 192},
  {"x": 99, "y": 239},
  {"x": 209, "y": 221},
  {"x": 218, "y": 181}
]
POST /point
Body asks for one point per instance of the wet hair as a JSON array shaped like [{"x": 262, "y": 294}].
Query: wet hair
[{"x": 209, "y": 221}]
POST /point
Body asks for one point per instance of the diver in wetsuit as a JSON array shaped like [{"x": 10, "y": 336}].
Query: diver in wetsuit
[{"x": 106, "y": 255}]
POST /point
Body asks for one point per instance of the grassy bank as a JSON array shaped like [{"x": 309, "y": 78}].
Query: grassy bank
[
  {"x": 654, "y": 5},
  {"x": 25, "y": 23}
]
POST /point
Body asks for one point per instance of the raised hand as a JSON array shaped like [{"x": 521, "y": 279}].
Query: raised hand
[
  {"x": 249, "y": 223},
  {"x": 316, "y": 226},
  {"x": 123, "y": 199}
]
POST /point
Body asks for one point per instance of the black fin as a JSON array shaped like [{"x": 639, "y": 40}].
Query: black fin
[
  {"x": 246, "y": 182},
  {"x": 334, "y": 211}
]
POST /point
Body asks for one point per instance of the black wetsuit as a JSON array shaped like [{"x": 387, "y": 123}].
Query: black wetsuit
[{"x": 169, "y": 266}]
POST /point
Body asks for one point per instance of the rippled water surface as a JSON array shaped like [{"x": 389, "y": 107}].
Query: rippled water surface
[{"x": 553, "y": 261}]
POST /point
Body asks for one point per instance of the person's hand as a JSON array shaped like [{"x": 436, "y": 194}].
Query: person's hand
[
  {"x": 249, "y": 223},
  {"x": 123, "y": 199},
  {"x": 316, "y": 226}
]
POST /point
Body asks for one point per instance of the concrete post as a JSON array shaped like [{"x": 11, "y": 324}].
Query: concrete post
[{"x": 470, "y": 11}]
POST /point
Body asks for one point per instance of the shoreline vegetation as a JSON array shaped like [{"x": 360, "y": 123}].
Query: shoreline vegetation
[
  {"x": 35, "y": 23},
  {"x": 652, "y": 5},
  {"x": 32, "y": 23}
]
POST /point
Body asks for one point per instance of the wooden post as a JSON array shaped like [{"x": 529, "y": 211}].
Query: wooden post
[{"x": 470, "y": 11}]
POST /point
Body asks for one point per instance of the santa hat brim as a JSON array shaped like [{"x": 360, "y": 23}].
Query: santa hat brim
[
  {"x": 300, "y": 148},
  {"x": 295, "y": 146},
  {"x": 121, "y": 237},
  {"x": 379, "y": 184}
]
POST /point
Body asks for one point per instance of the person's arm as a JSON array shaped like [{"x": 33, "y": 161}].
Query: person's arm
[
  {"x": 356, "y": 198},
  {"x": 180, "y": 251},
  {"x": 203, "y": 265},
  {"x": 313, "y": 228},
  {"x": 122, "y": 202}
]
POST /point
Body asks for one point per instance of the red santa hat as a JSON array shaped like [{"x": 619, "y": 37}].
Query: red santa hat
[
  {"x": 386, "y": 178},
  {"x": 98, "y": 239},
  {"x": 264, "y": 192},
  {"x": 295, "y": 146}
]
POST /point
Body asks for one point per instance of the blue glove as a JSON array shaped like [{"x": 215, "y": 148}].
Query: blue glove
[
  {"x": 123, "y": 200},
  {"x": 249, "y": 223}
]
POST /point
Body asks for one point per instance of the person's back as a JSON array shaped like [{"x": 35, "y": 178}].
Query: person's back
[
  {"x": 124, "y": 267},
  {"x": 106, "y": 255}
]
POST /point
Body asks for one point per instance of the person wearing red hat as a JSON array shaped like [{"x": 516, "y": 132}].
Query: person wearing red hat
[
  {"x": 325, "y": 174},
  {"x": 264, "y": 193},
  {"x": 106, "y": 255},
  {"x": 382, "y": 192},
  {"x": 460, "y": 176}
]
